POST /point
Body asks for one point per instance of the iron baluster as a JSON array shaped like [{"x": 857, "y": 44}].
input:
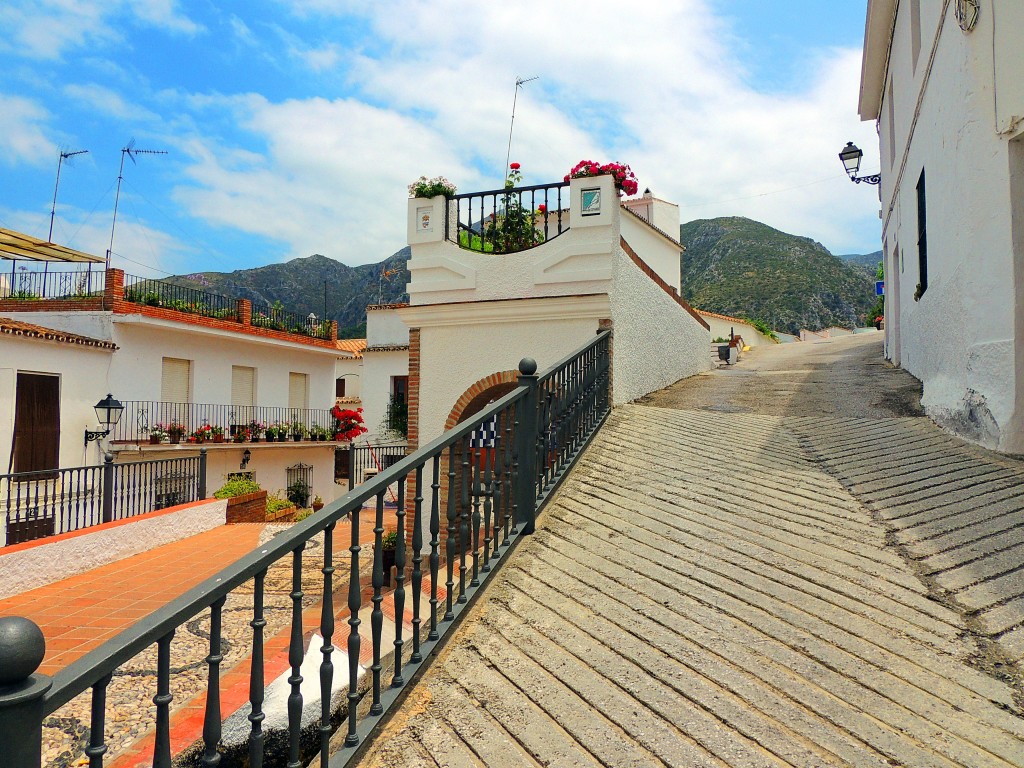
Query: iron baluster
[
  {"x": 163, "y": 699},
  {"x": 295, "y": 656},
  {"x": 256, "y": 715},
  {"x": 474, "y": 533},
  {"x": 399, "y": 594},
  {"x": 97, "y": 745},
  {"x": 487, "y": 491},
  {"x": 327, "y": 632},
  {"x": 435, "y": 533},
  {"x": 417, "y": 560},
  {"x": 464, "y": 518},
  {"x": 376, "y": 614},
  {"x": 449, "y": 545},
  {"x": 211, "y": 721},
  {"x": 351, "y": 739}
]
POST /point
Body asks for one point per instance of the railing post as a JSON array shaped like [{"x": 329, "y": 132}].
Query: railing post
[
  {"x": 526, "y": 438},
  {"x": 22, "y": 648},
  {"x": 202, "y": 473},
  {"x": 351, "y": 465},
  {"x": 108, "y": 487}
]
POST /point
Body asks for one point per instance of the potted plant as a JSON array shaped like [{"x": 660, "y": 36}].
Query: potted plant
[
  {"x": 175, "y": 431},
  {"x": 256, "y": 428},
  {"x": 625, "y": 181},
  {"x": 241, "y": 434},
  {"x": 298, "y": 430},
  {"x": 318, "y": 503},
  {"x": 273, "y": 432},
  {"x": 157, "y": 434},
  {"x": 388, "y": 545},
  {"x": 424, "y": 187},
  {"x": 298, "y": 493},
  {"x": 202, "y": 434},
  {"x": 217, "y": 433}
]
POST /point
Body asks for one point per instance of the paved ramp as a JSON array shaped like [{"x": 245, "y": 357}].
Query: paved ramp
[{"x": 707, "y": 591}]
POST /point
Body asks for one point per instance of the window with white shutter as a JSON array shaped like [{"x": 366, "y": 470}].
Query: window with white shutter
[
  {"x": 298, "y": 390},
  {"x": 243, "y": 385},
  {"x": 176, "y": 380}
]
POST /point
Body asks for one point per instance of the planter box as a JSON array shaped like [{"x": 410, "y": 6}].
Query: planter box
[
  {"x": 247, "y": 508},
  {"x": 286, "y": 515}
]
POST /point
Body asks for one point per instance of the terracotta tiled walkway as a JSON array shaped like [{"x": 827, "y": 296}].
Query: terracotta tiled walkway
[{"x": 79, "y": 613}]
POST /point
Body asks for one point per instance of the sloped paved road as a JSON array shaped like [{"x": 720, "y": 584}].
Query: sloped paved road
[{"x": 707, "y": 591}]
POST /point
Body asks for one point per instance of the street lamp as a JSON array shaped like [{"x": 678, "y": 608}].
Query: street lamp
[
  {"x": 851, "y": 156},
  {"x": 108, "y": 413}
]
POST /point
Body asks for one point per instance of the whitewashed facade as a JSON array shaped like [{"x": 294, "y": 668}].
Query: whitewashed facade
[{"x": 945, "y": 87}]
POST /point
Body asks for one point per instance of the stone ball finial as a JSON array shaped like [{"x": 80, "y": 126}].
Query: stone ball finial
[
  {"x": 527, "y": 366},
  {"x": 22, "y": 647}
]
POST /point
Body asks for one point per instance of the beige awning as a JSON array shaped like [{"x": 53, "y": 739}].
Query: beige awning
[{"x": 18, "y": 245}]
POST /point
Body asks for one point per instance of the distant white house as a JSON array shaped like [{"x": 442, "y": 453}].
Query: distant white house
[
  {"x": 944, "y": 83},
  {"x": 724, "y": 327}
]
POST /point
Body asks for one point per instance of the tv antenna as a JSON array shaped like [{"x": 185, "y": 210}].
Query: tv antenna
[
  {"x": 520, "y": 82},
  {"x": 53, "y": 209},
  {"x": 130, "y": 150}
]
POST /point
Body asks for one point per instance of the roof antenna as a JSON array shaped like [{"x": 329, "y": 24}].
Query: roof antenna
[
  {"x": 131, "y": 151},
  {"x": 53, "y": 209},
  {"x": 519, "y": 84}
]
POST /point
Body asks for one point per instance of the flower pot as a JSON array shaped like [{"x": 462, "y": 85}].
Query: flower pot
[
  {"x": 317, "y": 506},
  {"x": 254, "y": 439},
  {"x": 154, "y": 439},
  {"x": 297, "y": 438},
  {"x": 175, "y": 439},
  {"x": 218, "y": 438}
]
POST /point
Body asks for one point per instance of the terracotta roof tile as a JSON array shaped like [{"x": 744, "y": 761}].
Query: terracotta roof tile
[
  {"x": 354, "y": 347},
  {"x": 19, "y": 328}
]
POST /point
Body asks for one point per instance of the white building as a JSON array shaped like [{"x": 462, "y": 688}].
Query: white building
[
  {"x": 943, "y": 81},
  {"x": 164, "y": 365},
  {"x": 474, "y": 314}
]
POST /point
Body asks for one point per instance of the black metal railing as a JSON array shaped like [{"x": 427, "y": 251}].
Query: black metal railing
[
  {"x": 29, "y": 282},
  {"x": 141, "y": 417},
  {"x": 462, "y": 500},
  {"x": 364, "y": 461},
  {"x": 159, "y": 293},
  {"x": 40, "y": 504},
  {"x": 508, "y": 220},
  {"x": 277, "y": 318}
]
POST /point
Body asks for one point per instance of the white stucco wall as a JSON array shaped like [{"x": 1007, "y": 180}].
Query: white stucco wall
[
  {"x": 656, "y": 341},
  {"x": 84, "y": 381},
  {"x": 576, "y": 262},
  {"x": 352, "y": 371},
  {"x": 50, "y": 561},
  {"x": 659, "y": 254},
  {"x": 378, "y": 370},
  {"x": 959, "y": 339},
  {"x": 720, "y": 329},
  {"x": 545, "y": 329},
  {"x": 385, "y": 328}
]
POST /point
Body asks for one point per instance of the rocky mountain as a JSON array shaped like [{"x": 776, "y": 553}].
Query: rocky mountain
[
  {"x": 868, "y": 261},
  {"x": 299, "y": 286},
  {"x": 732, "y": 265},
  {"x": 741, "y": 267}
]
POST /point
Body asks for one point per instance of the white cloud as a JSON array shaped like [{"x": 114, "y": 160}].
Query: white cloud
[
  {"x": 47, "y": 29},
  {"x": 110, "y": 102},
  {"x": 21, "y": 126},
  {"x": 654, "y": 86}
]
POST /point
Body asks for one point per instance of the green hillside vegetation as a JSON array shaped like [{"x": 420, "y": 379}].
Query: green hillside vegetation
[
  {"x": 299, "y": 286},
  {"x": 744, "y": 268}
]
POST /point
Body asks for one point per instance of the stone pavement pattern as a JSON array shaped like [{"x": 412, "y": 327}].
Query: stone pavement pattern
[{"x": 719, "y": 586}]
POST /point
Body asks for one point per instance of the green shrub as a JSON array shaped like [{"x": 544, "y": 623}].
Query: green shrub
[
  {"x": 237, "y": 487},
  {"x": 275, "y": 503}
]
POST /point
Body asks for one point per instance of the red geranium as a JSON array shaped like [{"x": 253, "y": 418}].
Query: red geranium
[
  {"x": 625, "y": 181},
  {"x": 514, "y": 166},
  {"x": 542, "y": 208},
  {"x": 348, "y": 424}
]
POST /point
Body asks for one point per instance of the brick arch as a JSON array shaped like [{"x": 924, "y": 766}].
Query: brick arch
[{"x": 472, "y": 399}]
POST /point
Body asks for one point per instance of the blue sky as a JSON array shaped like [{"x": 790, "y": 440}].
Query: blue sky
[{"x": 294, "y": 126}]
